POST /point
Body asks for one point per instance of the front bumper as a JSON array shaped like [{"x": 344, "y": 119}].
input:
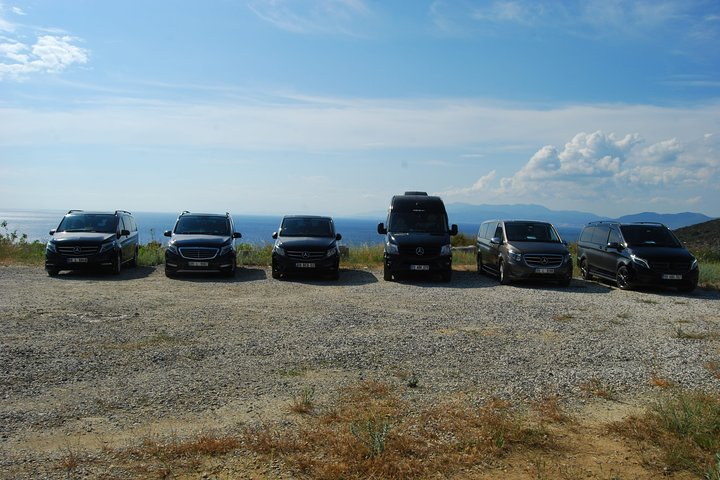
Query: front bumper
[
  {"x": 58, "y": 261},
  {"x": 285, "y": 264},
  {"x": 647, "y": 277},
  {"x": 397, "y": 263},
  {"x": 176, "y": 264},
  {"x": 521, "y": 271}
]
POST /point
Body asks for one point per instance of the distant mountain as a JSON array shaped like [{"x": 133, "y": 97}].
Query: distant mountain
[
  {"x": 672, "y": 220},
  {"x": 466, "y": 213},
  {"x": 702, "y": 236}
]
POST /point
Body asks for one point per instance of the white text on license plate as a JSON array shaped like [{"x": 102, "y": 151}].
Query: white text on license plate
[
  {"x": 77, "y": 260},
  {"x": 420, "y": 268},
  {"x": 198, "y": 264},
  {"x": 544, "y": 270},
  {"x": 305, "y": 265},
  {"x": 668, "y": 276}
]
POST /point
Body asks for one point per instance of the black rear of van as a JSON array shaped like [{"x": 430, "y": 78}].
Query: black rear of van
[{"x": 417, "y": 236}]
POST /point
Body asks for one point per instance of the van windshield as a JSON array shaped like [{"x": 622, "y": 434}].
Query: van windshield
[
  {"x": 418, "y": 221},
  {"x": 96, "y": 223},
  {"x": 531, "y": 232},
  {"x": 199, "y": 225},
  {"x": 649, "y": 236},
  {"x": 307, "y": 227}
]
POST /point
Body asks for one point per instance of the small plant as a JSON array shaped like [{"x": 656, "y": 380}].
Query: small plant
[
  {"x": 304, "y": 402},
  {"x": 680, "y": 333},
  {"x": 412, "y": 381},
  {"x": 373, "y": 435},
  {"x": 713, "y": 472},
  {"x": 660, "y": 382},
  {"x": 597, "y": 388}
]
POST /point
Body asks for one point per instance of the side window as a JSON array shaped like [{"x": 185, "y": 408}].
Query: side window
[
  {"x": 587, "y": 234},
  {"x": 600, "y": 236},
  {"x": 121, "y": 224},
  {"x": 498, "y": 231},
  {"x": 483, "y": 230},
  {"x": 614, "y": 236}
]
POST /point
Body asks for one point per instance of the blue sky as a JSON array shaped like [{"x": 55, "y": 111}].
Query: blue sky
[{"x": 331, "y": 107}]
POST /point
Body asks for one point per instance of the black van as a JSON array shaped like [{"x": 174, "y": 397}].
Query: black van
[
  {"x": 417, "y": 236},
  {"x": 633, "y": 254},
  {"x": 93, "y": 239},
  {"x": 523, "y": 249}
]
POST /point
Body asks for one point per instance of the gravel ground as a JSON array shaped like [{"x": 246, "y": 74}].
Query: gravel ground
[{"x": 93, "y": 359}]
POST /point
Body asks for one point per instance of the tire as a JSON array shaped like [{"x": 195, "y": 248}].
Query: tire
[
  {"x": 134, "y": 262},
  {"x": 585, "y": 270},
  {"x": 565, "y": 282},
  {"x": 446, "y": 276},
  {"x": 623, "y": 279},
  {"x": 53, "y": 272},
  {"x": 478, "y": 262},
  {"x": 231, "y": 273},
  {"x": 169, "y": 273},
  {"x": 117, "y": 264},
  {"x": 274, "y": 271},
  {"x": 387, "y": 274},
  {"x": 687, "y": 288},
  {"x": 502, "y": 273}
]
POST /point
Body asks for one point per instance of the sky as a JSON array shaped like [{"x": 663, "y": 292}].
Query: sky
[{"x": 333, "y": 106}]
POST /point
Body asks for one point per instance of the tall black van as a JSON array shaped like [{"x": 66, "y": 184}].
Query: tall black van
[{"x": 417, "y": 236}]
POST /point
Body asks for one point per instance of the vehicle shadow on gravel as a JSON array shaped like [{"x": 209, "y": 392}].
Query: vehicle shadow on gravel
[
  {"x": 576, "y": 284},
  {"x": 651, "y": 290},
  {"x": 126, "y": 274},
  {"x": 347, "y": 277},
  {"x": 460, "y": 279},
  {"x": 242, "y": 274}
]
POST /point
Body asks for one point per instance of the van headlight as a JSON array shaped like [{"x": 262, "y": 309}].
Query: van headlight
[
  {"x": 391, "y": 248},
  {"x": 334, "y": 250},
  {"x": 640, "y": 261},
  {"x": 226, "y": 249},
  {"x": 694, "y": 264},
  {"x": 515, "y": 256},
  {"x": 446, "y": 249},
  {"x": 50, "y": 247},
  {"x": 105, "y": 247},
  {"x": 279, "y": 250},
  {"x": 172, "y": 248}
]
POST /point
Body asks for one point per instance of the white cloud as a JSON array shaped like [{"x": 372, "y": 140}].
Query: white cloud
[
  {"x": 481, "y": 185},
  {"x": 50, "y": 53},
  {"x": 312, "y": 16}
]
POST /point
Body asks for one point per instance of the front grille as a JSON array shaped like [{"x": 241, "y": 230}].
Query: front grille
[
  {"x": 198, "y": 253},
  {"x": 419, "y": 251},
  {"x": 670, "y": 267},
  {"x": 78, "y": 250},
  {"x": 537, "y": 260},
  {"x": 305, "y": 254}
]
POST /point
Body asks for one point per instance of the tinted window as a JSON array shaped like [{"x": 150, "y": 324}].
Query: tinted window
[
  {"x": 649, "y": 235},
  {"x": 483, "y": 230},
  {"x": 587, "y": 234},
  {"x": 307, "y": 227},
  {"x": 421, "y": 221},
  {"x": 199, "y": 225},
  {"x": 498, "y": 232},
  {"x": 601, "y": 235},
  {"x": 614, "y": 236},
  {"x": 83, "y": 222},
  {"x": 530, "y": 232}
]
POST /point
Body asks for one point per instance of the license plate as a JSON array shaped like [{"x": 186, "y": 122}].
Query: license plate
[
  {"x": 197, "y": 264},
  {"x": 305, "y": 265},
  {"x": 668, "y": 276},
  {"x": 544, "y": 270},
  {"x": 420, "y": 268},
  {"x": 77, "y": 260}
]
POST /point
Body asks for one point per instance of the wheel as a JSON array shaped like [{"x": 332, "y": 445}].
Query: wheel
[
  {"x": 274, "y": 271},
  {"x": 134, "y": 261},
  {"x": 53, "y": 272},
  {"x": 585, "y": 270},
  {"x": 687, "y": 288},
  {"x": 117, "y": 264},
  {"x": 231, "y": 272},
  {"x": 622, "y": 278},
  {"x": 502, "y": 269},
  {"x": 170, "y": 273},
  {"x": 478, "y": 262},
  {"x": 387, "y": 274},
  {"x": 335, "y": 275},
  {"x": 446, "y": 276},
  {"x": 564, "y": 282}
]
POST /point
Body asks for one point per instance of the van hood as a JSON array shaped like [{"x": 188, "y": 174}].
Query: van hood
[
  {"x": 302, "y": 243},
  {"x": 427, "y": 239},
  {"x": 661, "y": 253},
  {"x": 539, "y": 247},
  {"x": 81, "y": 237},
  {"x": 194, "y": 240}
]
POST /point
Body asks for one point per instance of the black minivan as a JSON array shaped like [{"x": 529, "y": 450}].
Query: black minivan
[
  {"x": 85, "y": 240},
  {"x": 417, "y": 236},
  {"x": 306, "y": 244},
  {"x": 523, "y": 249},
  {"x": 633, "y": 254}
]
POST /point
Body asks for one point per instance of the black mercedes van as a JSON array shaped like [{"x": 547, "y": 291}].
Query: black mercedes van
[{"x": 417, "y": 236}]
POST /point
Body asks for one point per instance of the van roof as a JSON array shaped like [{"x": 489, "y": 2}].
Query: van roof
[{"x": 408, "y": 202}]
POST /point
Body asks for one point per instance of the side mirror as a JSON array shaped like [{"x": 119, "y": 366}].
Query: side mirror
[
  {"x": 338, "y": 237},
  {"x": 453, "y": 229},
  {"x": 237, "y": 235},
  {"x": 564, "y": 242},
  {"x": 52, "y": 232},
  {"x": 167, "y": 233},
  {"x": 275, "y": 235},
  {"x": 496, "y": 240},
  {"x": 381, "y": 229},
  {"x": 124, "y": 233},
  {"x": 615, "y": 245}
]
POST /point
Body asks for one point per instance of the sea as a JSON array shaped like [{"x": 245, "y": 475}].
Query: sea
[{"x": 255, "y": 229}]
